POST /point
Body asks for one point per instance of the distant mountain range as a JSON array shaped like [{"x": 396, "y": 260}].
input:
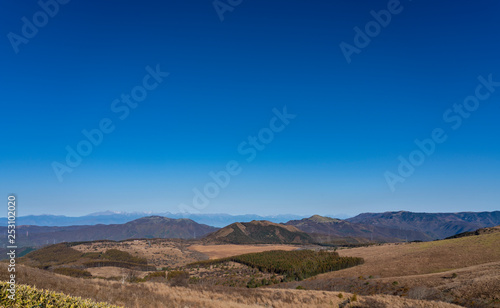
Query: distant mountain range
[
  {"x": 435, "y": 225},
  {"x": 108, "y": 217},
  {"x": 364, "y": 228},
  {"x": 368, "y": 227},
  {"x": 146, "y": 227},
  {"x": 352, "y": 232}
]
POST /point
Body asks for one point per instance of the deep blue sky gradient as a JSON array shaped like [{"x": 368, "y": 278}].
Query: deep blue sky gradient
[{"x": 353, "y": 120}]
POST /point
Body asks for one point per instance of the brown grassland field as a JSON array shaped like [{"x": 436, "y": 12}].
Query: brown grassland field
[
  {"x": 222, "y": 251},
  {"x": 158, "y": 252},
  {"x": 465, "y": 271},
  {"x": 462, "y": 272},
  {"x": 151, "y": 294}
]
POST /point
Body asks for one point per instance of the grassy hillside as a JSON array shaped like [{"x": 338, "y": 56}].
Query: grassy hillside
[
  {"x": 228, "y": 250},
  {"x": 158, "y": 252},
  {"x": 393, "y": 260},
  {"x": 156, "y": 295},
  {"x": 464, "y": 270},
  {"x": 64, "y": 259}
]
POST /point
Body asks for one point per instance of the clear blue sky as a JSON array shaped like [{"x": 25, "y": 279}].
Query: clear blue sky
[{"x": 353, "y": 120}]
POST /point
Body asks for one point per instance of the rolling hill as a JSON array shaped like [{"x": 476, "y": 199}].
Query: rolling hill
[
  {"x": 435, "y": 225},
  {"x": 259, "y": 232}
]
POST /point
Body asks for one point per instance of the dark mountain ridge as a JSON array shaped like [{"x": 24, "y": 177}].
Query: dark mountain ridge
[
  {"x": 336, "y": 228},
  {"x": 435, "y": 225},
  {"x": 146, "y": 227}
]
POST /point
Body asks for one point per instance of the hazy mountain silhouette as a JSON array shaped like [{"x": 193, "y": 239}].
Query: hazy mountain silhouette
[
  {"x": 146, "y": 227},
  {"x": 435, "y": 225}
]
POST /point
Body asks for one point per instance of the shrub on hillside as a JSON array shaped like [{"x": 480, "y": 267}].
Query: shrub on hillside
[
  {"x": 101, "y": 263},
  {"x": 27, "y": 296},
  {"x": 54, "y": 255},
  {"x": 159, "y": 275},
  {"x": 73, "y": 272},
  {"x": 178, "y": 278},
  {"x": 123, "y": 256},
  {"x": 92, "y": 255}
]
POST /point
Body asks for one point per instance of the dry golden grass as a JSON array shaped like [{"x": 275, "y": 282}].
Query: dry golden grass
[
  {"x": 465, "y": 285},
  {"x": 145, "y": 295},
  {"x": 111, "y": 271},
  {"x": 229, "y": 250},
  {"x": 465, "y": 271},
  {"x": 165, "y": 252},
  {"x": 393, "y": 260}
]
